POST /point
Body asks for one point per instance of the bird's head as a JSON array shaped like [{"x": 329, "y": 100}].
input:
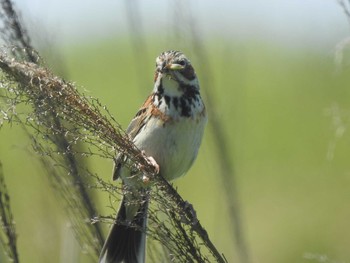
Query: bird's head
[{"x": 175, "y": 72}]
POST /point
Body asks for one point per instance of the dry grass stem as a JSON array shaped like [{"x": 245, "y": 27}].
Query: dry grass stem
[
  {"x": 8, "y": 236},
  {"x": 85, "y": 120}
]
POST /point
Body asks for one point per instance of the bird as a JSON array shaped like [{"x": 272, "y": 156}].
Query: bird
[{"x": 168, "y": 129}]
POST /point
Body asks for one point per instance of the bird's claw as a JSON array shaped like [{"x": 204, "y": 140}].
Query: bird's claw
[{"x": 151, "y": 161}]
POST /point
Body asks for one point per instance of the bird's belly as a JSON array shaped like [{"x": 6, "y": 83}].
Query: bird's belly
[{"x": 174, "y": 146}]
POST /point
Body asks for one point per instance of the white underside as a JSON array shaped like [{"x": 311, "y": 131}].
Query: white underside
[{"x": 174, "y": 146}]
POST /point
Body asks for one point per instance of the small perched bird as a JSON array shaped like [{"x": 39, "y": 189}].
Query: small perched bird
[{"x": 168, "y": 129}]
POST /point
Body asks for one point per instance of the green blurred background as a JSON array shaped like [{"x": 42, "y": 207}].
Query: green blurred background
[{"x": 283, "y": 103}]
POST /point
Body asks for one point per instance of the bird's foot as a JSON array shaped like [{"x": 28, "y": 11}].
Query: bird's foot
[{"x": 151, "y": 161}]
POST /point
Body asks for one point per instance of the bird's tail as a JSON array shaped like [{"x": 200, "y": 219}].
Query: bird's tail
[{"x": 126, "y": 242}]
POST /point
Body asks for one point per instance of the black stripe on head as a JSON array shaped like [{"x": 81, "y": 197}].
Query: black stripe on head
[{"x": 188, "y": 72}]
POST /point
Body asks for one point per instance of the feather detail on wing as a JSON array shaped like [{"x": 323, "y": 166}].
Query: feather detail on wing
[
  {"x": 147, "y": 110},
  {"x": 136, "y": 124}
]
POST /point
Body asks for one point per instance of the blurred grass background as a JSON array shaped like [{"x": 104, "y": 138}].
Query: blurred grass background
[{"x": 285, "y": 112}]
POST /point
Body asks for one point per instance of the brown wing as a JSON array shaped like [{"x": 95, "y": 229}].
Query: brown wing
[{"x": 133, "y": 129}]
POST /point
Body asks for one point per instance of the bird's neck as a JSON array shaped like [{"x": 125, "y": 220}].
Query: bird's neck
[{"x": 177, "y": 99}]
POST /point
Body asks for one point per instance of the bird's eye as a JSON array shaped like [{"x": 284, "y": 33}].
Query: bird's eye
[{"x": 182, "y": 63}]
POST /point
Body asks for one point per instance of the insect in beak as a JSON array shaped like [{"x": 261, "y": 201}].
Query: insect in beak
[{"x": 175, "y": 66}]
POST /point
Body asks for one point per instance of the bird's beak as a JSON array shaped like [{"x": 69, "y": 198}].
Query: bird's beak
[
  {"x": 166, "y": 67},
  {"x": 174, "y": 66}
]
